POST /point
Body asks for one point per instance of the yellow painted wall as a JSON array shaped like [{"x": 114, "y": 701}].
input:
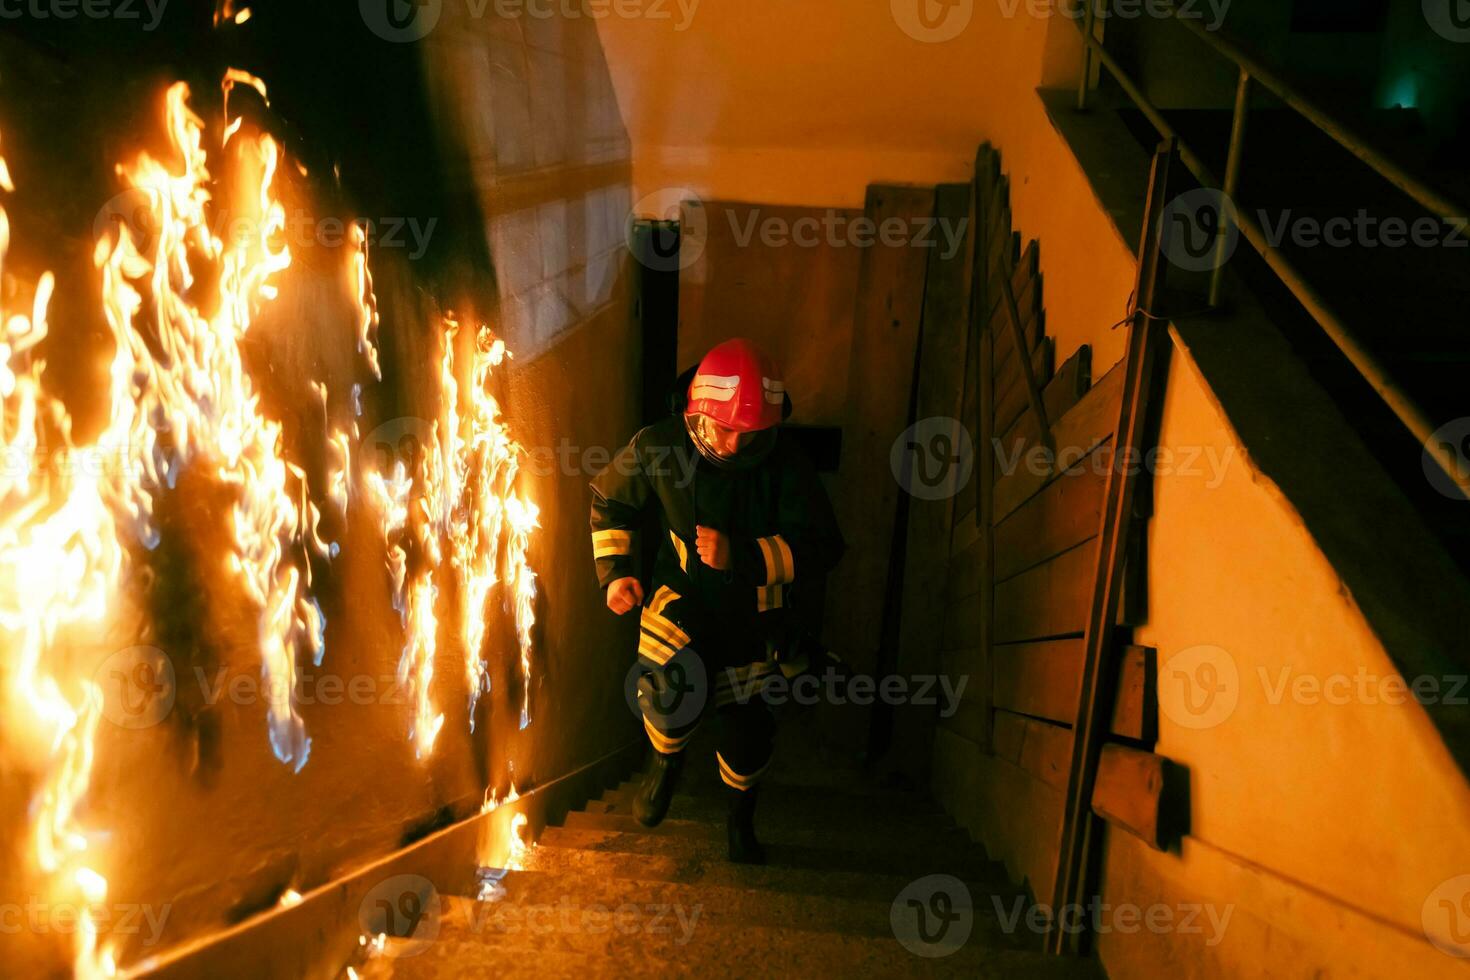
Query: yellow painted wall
[{"x": 1328, "y": 815}]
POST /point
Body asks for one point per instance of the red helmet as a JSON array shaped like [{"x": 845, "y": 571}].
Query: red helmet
[{"x": 739, "y": 387}]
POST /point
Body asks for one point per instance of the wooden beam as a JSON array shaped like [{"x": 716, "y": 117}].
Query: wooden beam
[
  {"x": 1011, "y": 403},
  {"x": 989, "y": 187},
  {"x": 1018, "y": 344},
  {"x": 1129, "y": 792},
  {"x": 885, "y": 339},
  {"x": 1067, "y": 386},
  {"x": 1135, "y": 708},
  {"x": 1079, "y": 432},
  {"x": 943, "y": 343},
  {"x": 1148, "y": 345}
]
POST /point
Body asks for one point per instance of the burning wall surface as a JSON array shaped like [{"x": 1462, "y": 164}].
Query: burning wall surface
[{"x": 272, "y": 606}]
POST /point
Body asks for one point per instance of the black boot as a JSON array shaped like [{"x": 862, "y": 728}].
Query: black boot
[
  {"x": 740, "y": 824},
  {"x": 656, "y": 792}
]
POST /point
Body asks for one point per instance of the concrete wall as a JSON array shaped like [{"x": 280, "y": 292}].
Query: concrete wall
[{"x": 506, "y": 136}]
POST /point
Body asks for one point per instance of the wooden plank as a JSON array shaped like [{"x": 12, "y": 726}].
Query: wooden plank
[
  {"x": 982, "y": 341},
  {"x": 943, "y": 343},
  {"x": 1067, "y": 386},
  {"x": 1062, "y": 516},
  {"x": 965, "y": 570},
  {"x": 1039, "y": 679},
  {"x": 963, "y": 620},
  {"x": 1129, "y": 791},
  {"x": 966, "y": 529},
  {"x": 1077, "y": 433},
  {"x": 1028, "y": 297},
  {"x": 735, "y": 283},
  {"x": 1145, "y": 366},
  {"x": 1013, "y": 397},
  {"x": 1027, "y": 282},
  {"x": 1047, "y": 601},
  {"x": 1039, "y": 747},
  {"x": 1135, "y": 709},
  {"x": 886, "y": 320},
  {"x": 971, "y": 716},
  {"x": 1017, "y": 816}
]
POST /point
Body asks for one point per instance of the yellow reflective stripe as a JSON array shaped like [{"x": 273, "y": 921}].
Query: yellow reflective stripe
[
  {"x": 664, "y": 743},
  {"x": 611, "y": 543},
  {"x": 659, "y": 639},
  {"x": 682, "y": 550},
  {"x": 768, "y": 597},
  {"x": 734, "y": 780},
  {"x": 664, "y": 628},
  {"x": 662, "y": 598},
  {"x": 780, "y": 565},
  {"x": 654, "y": 649}
]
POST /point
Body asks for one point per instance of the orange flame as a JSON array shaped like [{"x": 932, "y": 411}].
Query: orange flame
[{"x": 60, "y": 561}]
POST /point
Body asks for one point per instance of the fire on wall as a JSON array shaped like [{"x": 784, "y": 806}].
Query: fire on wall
[{"x": 266, "y": 539}]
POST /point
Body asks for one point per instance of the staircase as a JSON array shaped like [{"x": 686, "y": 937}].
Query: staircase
[{"x": 841, "y": 852}]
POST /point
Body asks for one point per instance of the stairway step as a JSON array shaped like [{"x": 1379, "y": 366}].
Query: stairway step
[
  {"x": 853, "y": 836},
  {"x": 790, "y": 794},
  {"x": 877, "y": 816},
  {"x": 711, "y": 868},
  {"x": 545, "y": 936},
  {"x": 718, "y": 905},
  {"x": 898, "y": 859}
]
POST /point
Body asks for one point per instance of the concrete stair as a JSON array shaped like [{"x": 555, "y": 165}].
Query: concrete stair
[{"x": 603, "y": 895}]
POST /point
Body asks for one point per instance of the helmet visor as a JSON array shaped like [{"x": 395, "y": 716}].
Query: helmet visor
[{"x": 722, "y": 444}]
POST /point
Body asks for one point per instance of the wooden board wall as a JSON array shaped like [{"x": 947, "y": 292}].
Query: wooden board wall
[
  {"x": 1021, "y": 560},
  {"x": 885, "y": 336},
  {"x": 793, "y": 298}
]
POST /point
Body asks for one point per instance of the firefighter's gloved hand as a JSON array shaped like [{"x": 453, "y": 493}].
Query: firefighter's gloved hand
[
  {"x": 713, "y": 547},
  {"x": 625, "y": 595}
]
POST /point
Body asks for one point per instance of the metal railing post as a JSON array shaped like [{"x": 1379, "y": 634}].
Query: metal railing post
[
  {"x": 1232, "y": 181},
  {"x": 1089, "y": 25}
]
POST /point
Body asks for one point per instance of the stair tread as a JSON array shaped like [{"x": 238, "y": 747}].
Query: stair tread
[
  {"x": 881, "y": 859},
  {"x": 470, "y": 940},
  {"x": 710, "y": 867},
  {"x": 880, "y": 817},
  {"x": 732, "y": 905},
  {"x": 850, "y": 836}
]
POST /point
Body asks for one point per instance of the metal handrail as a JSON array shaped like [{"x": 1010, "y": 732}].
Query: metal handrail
[{"x": 1252, "y": 70}]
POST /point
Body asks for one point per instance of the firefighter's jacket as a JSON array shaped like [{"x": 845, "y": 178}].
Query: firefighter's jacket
[{"x": 780, "y": 523}]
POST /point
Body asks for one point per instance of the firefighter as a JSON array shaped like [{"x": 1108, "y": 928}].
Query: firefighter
[{"x": 744, "y": 522}]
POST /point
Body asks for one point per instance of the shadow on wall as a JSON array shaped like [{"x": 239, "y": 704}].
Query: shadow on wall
[{"x": 193, "y": 816}]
